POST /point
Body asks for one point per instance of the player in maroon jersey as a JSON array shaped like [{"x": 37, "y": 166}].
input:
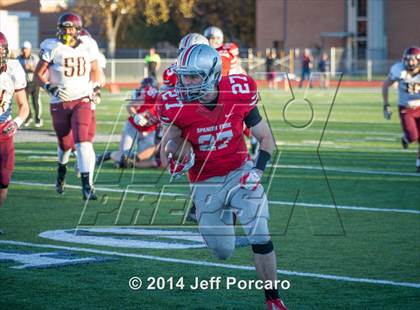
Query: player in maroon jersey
[
  {"x": 68, "y": 70},
  {"x": 12, "y": 86},
  {"x": 210, "y": 111}
]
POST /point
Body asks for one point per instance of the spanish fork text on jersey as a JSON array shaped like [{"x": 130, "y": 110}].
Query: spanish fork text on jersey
[{"x": 216, "y": 135}]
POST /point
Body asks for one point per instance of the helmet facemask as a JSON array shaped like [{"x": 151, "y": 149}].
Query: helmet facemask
[
  {"x": 411, "y": 59},
  {"x": 197, "y": 61},
  {"x": 67, "y": 38},
  {"x": 411, "y": 67},
  {"x": 196, "y": 91},
  {"x": 4, "y": 52}
]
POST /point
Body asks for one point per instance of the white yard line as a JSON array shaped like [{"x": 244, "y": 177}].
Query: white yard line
[
  {"x": 347, "y": 170},
  {"x": 274, "y": 202},
  {"x": 211, "y": 264},
  {"x": 305, "y": 167}
]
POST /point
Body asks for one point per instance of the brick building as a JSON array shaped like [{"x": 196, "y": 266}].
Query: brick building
[{"x": 364, "y": 29}]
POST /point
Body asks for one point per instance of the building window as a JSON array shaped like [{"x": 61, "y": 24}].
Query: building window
[{"x": 361, "y": 29}]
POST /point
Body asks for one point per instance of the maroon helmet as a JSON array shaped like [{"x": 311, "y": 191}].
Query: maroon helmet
[
  {"x": 411, "y": 53},
  {"x": 4, "y": 49},
  {"x": 68, "y": 20},
  {"x": 149, "y": 81}
]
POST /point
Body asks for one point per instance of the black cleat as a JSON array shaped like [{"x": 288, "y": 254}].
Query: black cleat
[
  {"x": 61, "y": 176},
  {"x": 103, "y": 157},
  {"x": 418, "y": 169},
  {"x": 1, "y": 232},
  {"x": 192, "y": 216},
  {"x": 59, "y": 186},
  {"x": 89, "y": 193}
]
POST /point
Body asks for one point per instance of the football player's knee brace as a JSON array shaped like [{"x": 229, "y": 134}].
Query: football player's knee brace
[{"x": 264, "y": 248}]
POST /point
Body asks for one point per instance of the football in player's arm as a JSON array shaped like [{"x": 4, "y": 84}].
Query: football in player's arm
[
  {"x": 12, "y": 85},
  {"x": 209, "y": 111},
  {"x": 73, "y": 83},
  {"x": 407, "y": 74}
]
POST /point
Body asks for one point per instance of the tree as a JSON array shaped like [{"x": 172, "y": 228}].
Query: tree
[{"x": 111, "y": 13}]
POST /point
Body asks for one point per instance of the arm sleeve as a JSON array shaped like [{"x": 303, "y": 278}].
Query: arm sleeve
[
  {"x": 395, "y": 72},
  {"x": 94, "y": 50},
  {"x": 45, "y": 52},
  {"x": 252, "y": 118}
]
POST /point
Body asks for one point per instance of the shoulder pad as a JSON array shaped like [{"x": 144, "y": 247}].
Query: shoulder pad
[{"x": 397, "y": 71}]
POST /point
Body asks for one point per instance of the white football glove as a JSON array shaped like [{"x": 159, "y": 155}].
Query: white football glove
[
  {"x": 141, "y": 119},
  {"x": 57, "y": 91},
  {"x": 387, "y": 112},
  {"x": 251, "y": 179},
  {"x": 96, "y": 94}
]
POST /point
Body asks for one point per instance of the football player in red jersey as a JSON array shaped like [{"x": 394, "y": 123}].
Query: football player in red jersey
[
  {"x": 69, "y": 72},
  {"x": 209, "y": 110},
  {"x": 407, "y": 74},
  {"x": 229, "y": 52},
  {"x": 140, "y": 127},
  {"x": 12, "y": 85}
]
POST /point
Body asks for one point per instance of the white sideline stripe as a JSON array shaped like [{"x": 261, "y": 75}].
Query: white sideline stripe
[
  {"x": 274, "y": 202},
  {"x": 329, "y": 145},
  {"x": 336, "y": 169},
  {"x": 339, "y": 169},
  {"x": 210, "y": 264}
]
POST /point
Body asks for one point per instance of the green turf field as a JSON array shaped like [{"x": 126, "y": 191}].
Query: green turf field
[{"x": 347, "y": 236}]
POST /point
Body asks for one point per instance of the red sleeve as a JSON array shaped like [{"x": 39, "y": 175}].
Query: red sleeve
[
  {"x": 225, "y": 65},
  {"x": 168, "y": 107}
]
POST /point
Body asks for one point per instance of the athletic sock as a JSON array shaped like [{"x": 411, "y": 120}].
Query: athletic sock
[
  {"x": 271, "y": 294},
  {"x": 84, "y": 176},
  {"x": 61, "y": 171}
]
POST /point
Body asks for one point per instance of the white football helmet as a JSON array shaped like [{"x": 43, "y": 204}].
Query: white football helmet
[
  {"x": 216, "y": 34},
  {"x": 202, "y": 60},
  {"x": 191, "y": 39}
]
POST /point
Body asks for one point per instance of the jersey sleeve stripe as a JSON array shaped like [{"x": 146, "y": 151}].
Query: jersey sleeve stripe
[{"x": 253, "y": 102}]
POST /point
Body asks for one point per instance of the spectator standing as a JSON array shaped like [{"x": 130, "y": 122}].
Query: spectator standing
[
  {"x": 153, "y": 62},
  {"x": 28, "y": 61},
  {"x": 270, "y": 70},
  {"x": 324, "y": 68},
  {"x": 307, "y": 64}
]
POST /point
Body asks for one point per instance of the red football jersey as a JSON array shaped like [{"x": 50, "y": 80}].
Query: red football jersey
[
  {"x": 147, "y": 98},
  {"x": 229, "y": 52},
  {"x": 216, "y": 135}
]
